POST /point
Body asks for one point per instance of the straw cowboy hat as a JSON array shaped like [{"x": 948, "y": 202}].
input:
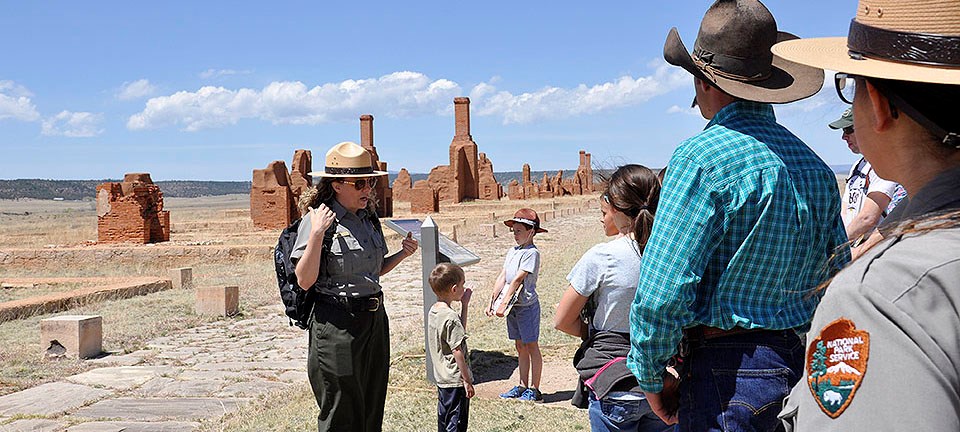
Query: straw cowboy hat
[
  {"x": 348, "y": 159},
  {"x": 906, "y": 40},
  {"x": 732, "y": 52},
  {"x": 527, "y": 217}
]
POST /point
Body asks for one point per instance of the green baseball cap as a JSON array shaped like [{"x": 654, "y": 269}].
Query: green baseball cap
[{"x": 845, "y": 120}]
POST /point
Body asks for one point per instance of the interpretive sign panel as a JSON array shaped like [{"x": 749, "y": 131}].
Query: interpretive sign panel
[{"x": 450, "y": 251}]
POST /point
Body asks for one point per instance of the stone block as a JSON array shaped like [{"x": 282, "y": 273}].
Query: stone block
[
  {"x": 489, "y": 230},
  {"x": 75, "y": 336},
  {"x": 182, "y": 277},
  {"x": 218, "y": 300}
]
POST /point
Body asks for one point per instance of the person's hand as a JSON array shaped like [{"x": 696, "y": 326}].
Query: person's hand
[
  {"x": 467, "y": 293},
  {"x": 489, "y": 311},
  {"x": 409, "y": 245},
  {"x": 501, "y": 309},
  {"x": 321, "y": 218},
  {"x": 666, "y": 403},
  {"x": 469, "y": 388}
]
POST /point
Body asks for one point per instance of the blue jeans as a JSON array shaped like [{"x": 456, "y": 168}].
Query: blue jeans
[
  {"x": 612, "y": 415},
  {"x": 737, "y": 383}
]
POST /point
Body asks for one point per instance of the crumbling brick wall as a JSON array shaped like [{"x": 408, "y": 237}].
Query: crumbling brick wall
[
  {"x": 273, "y": 204},
  {"x": 131, "y": 211}
]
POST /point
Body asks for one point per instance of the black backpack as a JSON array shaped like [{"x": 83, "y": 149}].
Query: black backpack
[{"x": 297, "y": 302}]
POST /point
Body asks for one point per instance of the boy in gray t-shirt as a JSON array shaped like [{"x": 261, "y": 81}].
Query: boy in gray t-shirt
[{"x": 520, "y": 269}]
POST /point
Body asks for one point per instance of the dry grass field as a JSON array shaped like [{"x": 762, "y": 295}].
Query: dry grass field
[{"x": 28, "y": 228}]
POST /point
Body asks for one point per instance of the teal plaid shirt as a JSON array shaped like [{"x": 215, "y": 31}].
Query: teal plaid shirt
[{"x": 747, "y": 226}]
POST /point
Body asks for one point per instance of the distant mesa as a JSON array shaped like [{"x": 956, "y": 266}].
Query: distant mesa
[{"x": 131, "y": 211}]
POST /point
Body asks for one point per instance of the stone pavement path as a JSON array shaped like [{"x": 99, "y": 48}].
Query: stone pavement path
[
  {"x": 206, "y": 372},
  {"x": 199, "y": 374}
]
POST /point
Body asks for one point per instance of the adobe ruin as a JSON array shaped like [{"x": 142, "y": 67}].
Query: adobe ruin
[
  {"x": 469, "y": 174},
  {"x": 383, "y": 191},
  {"x": 131, "y": 211},
  {"x": 424, "y": 198},
  {"x": 275, "y": 192}
]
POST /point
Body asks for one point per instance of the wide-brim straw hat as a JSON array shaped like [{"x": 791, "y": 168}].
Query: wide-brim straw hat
[
  {"x": 528, "y": 217},
  {"x": 348, "y": 159},
  {"x": 732, "y": 52},
  {"x": 906, "y": 40}
]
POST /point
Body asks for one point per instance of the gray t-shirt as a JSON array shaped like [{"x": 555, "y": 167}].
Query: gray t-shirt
[
  {"x": 445, "y": 333},
  {"x": 609, "y": 272},
  {"x": 525, "y": 258}
]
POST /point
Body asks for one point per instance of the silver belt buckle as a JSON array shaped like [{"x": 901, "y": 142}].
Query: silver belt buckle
[{"x": 376, "y": 305}]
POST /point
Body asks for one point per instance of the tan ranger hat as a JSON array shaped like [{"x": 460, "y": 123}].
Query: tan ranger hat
[
  {"x": 906, "y": 40},
  {"x": 348, "y": 159}
]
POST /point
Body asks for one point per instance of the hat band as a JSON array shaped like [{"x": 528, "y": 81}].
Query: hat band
[
  {"x": 348, "y": 171},
  {"x": 737, "y": 69},
  {"x": 526, "y": 222},
  {"x": 918, "y": 48}
]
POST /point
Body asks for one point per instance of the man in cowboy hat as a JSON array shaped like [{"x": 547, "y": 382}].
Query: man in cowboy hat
[
  {"x": 884, "y": 347},
  {"x": 748, "y": 220}
]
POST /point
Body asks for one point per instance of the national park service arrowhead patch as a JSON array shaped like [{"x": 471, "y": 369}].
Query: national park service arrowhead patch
[{"x": 836, "y": 363}]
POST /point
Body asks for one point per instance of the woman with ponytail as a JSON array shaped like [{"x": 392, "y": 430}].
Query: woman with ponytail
[{"x": 596, "y": 305}]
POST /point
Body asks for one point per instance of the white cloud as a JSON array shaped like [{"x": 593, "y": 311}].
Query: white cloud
[
  {"x": 135, "y": 90},
  {"x": 216, "y": 73},
  {"x": 400, "y": 94},
  {"x": 15, "y": 103},
  {"x": 557, "y": 103},
  {"x": 677, "y": 109},
  {"x": 73, "y": 124}
]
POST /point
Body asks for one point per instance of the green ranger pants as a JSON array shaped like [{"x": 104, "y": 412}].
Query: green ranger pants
[{"x": 348, "y": 363}]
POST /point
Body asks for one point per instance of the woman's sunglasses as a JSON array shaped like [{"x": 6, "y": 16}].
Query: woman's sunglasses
[{"x": 362, "y": 183}]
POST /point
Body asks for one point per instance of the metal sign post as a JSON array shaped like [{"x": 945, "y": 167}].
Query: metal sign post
[{"x": 429, "y": 254}]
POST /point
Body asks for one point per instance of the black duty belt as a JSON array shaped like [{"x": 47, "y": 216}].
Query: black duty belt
[{"x": 355, "y": 304}]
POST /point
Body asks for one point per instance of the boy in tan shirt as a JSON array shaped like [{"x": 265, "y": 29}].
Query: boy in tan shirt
[{"x": 448, "y": 343}]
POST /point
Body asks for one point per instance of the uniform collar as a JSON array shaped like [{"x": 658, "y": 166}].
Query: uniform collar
[
  {"x": 742, "y": 108},
  {"x": 341, "y": 212},
  {"x": 939, "y": 194}
]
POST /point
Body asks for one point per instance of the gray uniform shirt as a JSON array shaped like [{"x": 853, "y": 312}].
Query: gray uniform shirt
[
  {"x": 609, "y": 272},
  {"x": 356, "y": 254},
  {"x": 904, "y": 293}
]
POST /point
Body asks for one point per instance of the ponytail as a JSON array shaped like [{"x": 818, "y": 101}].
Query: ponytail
[{"x": 635, "y": 191}]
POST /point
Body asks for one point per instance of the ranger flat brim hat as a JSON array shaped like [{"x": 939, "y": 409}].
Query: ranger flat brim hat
[
  {"x": 347, "y": 160},
  {"x": 732, "y": 52},
  {"x": 906, "y": 40}
]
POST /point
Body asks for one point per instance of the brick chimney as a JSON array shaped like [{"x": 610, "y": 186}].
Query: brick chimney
[
  {"x": 461, "y": 112},
  {"x": 366, "y": 131}
]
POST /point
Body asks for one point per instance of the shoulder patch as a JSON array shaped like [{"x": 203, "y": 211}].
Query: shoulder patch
[{"x": 836, "y": 364}]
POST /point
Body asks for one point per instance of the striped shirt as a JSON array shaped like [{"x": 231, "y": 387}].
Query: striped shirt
[{"x": 747, "y": 227}]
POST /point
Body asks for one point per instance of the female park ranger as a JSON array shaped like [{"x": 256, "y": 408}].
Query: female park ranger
[
  {"x": 349, "y": 351},
  {"x": 883, "y": 352}
]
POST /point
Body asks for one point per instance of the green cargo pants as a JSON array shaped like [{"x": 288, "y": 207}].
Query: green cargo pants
[{"x": 348, "y": 363}]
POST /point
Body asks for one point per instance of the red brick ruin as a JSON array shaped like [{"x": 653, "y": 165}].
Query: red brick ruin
[
  {"x": 131, "y": 211},
  {"x": 383, "y": 191},
  {"x": 275, "y": 192},
  {"x": 469, "y": 176},
  {"x": 402, "y": 185},
  {"x": 581, "y": 183}
]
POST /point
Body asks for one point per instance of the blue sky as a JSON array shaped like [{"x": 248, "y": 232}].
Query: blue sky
[{"x": 211, "y": 90}]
